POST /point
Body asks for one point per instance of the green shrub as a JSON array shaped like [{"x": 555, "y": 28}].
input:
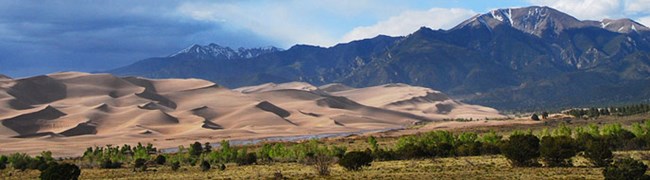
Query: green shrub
[
  {"x": 598, "y": 152},
  {"x": 521, "y": 149},
  {"x": 626, "y": 168},
  {"x": 175, "y": 166},
  {"x": 355, "y": 160},
  {"x": 61, "y": 171},
  {"x": 140, "y": 164},
  {"x": 412, "y": 151},
  {"x": 161, "y": 159},
  {"x": 3, "y": 162},
  {"x": 557, "y": 151},
  {"x": 196, "y": 149},
  {"x": 383, "y": 155},
  {"x": 489, "y": 149},
  {"x": 205, "y": 166},
  {"x": 469, "y": 149},
  {"x": 108, "y": 164},
  {"x": 248, "y": 159},
  {"x": 19, "y": 161}
]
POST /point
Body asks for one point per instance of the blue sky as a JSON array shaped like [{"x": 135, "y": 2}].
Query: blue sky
[{"x": 42, "y": 37}]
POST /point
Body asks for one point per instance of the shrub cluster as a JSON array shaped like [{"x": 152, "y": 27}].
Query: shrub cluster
[
  {"x": 61, "y": 171},
  {"x": 355, "y": 160}
]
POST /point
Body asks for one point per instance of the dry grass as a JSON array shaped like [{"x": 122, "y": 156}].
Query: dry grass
[{"x": 479, "y": 167}]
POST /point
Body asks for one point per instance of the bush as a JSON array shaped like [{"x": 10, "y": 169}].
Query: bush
[
  {"x": 489, "y": 149},
  {"x": 196, "y": 149},
  {"x": 3, "y": 162},
  {"x": 161, "y": 159},
  {"x": 443, "y": 150},
  {"x": 469, "y": 149},
  {"x": 175, "y": 166},
  {"x": 222, "y": 167},
  {"x": 19, "y": 161},
  {"x": 322, "y": 163},
  {"x": 557, "y": 151},
  {"x": 626, "y": 168},
  {"x": 108, "y": 164},
  {"x": 62, "y": 171},
  {"x": 248, "y": 159},
  {"x": 412, "y": 151},
  {"x": 355, "y": 160},
  {"x": 140, "y": 164},
  {"x": 383, "y": 155},
  {"x": 205, "y": 166},
  {"x": 521, "y": 149},
  {"x": 598, "y": 153},
  {"x": 534, "y": 117},
  {"x": 35, "y": 164}
]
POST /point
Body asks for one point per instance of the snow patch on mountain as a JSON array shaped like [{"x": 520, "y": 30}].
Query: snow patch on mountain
[{"x": 215, "y": 51}]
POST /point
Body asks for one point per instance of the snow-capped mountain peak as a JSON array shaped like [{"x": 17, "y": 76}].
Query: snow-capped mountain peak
[
  {"x": 215, "y": 51},
  {"x": 545, "y": 21}
]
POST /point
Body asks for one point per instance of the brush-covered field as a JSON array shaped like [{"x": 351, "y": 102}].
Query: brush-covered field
[{"x": 475, "y": 167}]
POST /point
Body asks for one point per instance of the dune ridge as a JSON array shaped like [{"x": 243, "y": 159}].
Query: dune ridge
[{"x": 70, "y": 111}]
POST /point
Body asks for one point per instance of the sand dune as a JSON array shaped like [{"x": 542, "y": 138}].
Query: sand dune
[
  {"x": 70, "y": 111},
  {"x": 416, "y": 100},
  {"x": 272, "y": 86}
]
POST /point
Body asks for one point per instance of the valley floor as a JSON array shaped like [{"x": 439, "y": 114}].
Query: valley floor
[{"x": 476, "y": 167}]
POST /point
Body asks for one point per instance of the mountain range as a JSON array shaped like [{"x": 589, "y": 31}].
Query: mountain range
[{"x": 526, "y": 58}]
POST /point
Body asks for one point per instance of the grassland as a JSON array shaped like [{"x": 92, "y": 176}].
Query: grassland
[
  {"x": 474, "y": 167},
  {"x": 477, "y": 167}
]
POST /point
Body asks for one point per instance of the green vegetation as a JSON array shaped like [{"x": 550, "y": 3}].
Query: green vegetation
[
  {"x": 61, "y": 171},
  {"x": 557, "y": 150},
  {"x": 618, "y": 111},
  {"x": 355, "y": 160},
  {"x": 521, "y": 149},
  {"x": 626, "y": 168}
]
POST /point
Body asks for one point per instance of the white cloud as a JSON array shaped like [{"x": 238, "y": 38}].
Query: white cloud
[
  {"x": 410, "y": 21},
  {"x": 284, "y": 24},
  {"x": 600, "y": 9},
  {"x": 637, "y": 6},
  {"x": 645, "y": 21},
  {"x": 585, "y": 9}
]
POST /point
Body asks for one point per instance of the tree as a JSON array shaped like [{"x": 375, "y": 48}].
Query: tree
[
  {"x": 534, "y": 117},
  {"x": 557, "y": 151},
  {"x": 207, "y": 148},
  {"x": 598, "y": 152},
  {"x": 205, "y": 166},
  {"x": 544, "y": 115},
  {"x": 196, "y": 149},
  {"x": 61, "y": 171},
  {"x": 626, "y": 168},
  {"x": 355, "y": 160},
  {"x": 521, "y": 149}
]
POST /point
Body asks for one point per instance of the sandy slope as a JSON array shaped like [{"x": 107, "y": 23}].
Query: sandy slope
[{"x": 67, "y": 112}]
